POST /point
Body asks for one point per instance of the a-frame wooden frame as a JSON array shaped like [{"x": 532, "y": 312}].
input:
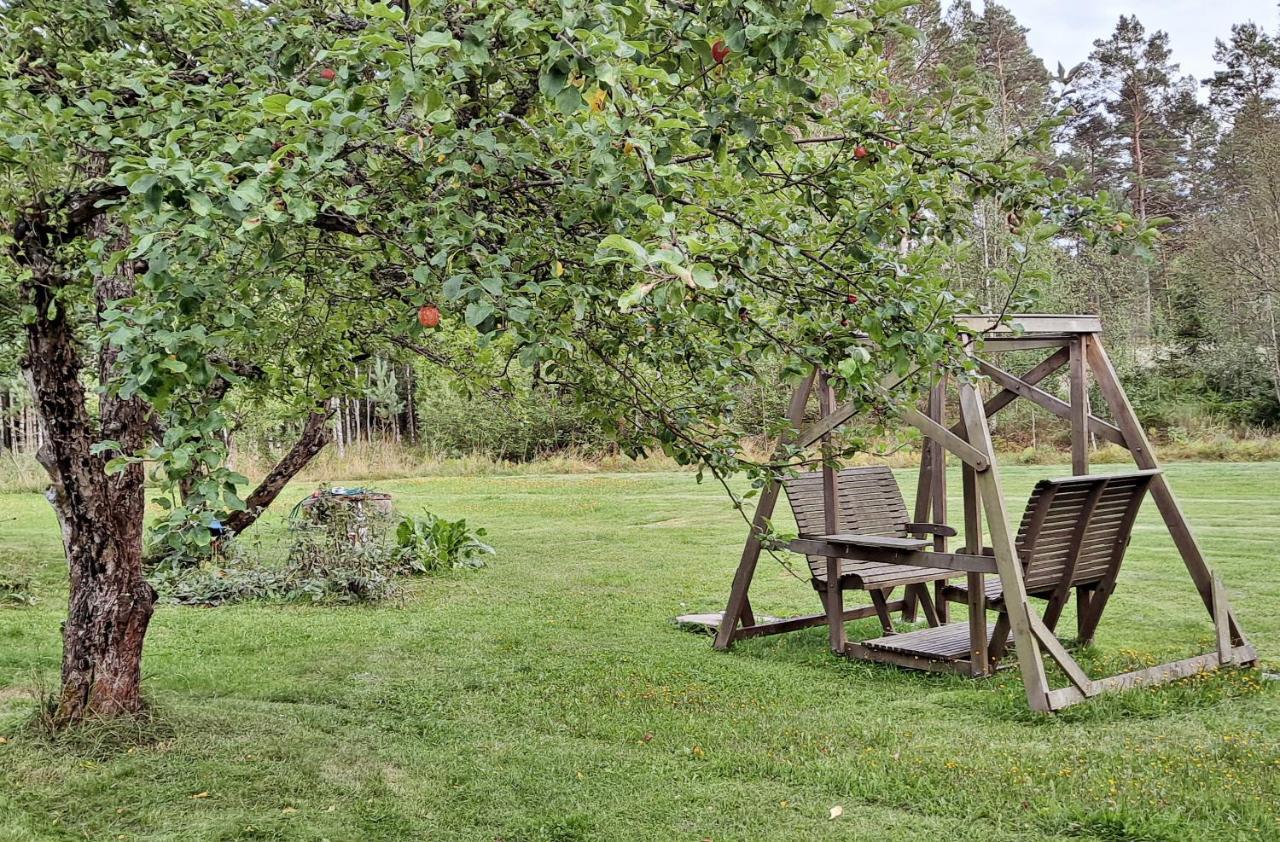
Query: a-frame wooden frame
[{"x": 1074, "y": 342}]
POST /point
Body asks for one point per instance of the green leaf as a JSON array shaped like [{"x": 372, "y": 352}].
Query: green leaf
[
  {"x": 277, "y": 103},
  {"x": 704, "y": 275},
  {"x": 430, "y": 41},
  {"x": 200, "y": 204},
  {"x": 616, "y": 242},
  {"x": 552, "y": 80},
  {"x": 568, "y": 100},
  {"x": 477, "y": 312}
]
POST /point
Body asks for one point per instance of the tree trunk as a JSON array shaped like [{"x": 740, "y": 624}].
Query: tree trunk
[
  {"x": 315, "y": 435},
  {"x": 110, "y": 603},
  {"x": 101, "y": 517},
  {"x": 6, "y": 441}
]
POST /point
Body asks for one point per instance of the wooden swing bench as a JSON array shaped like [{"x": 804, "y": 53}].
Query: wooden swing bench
[
  {"x": 1073, "y": 535},
  {"x": 855, "y": 533}
]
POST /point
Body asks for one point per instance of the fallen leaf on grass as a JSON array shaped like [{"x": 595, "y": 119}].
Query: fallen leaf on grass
[
  {"x": 4, "y": 741},
  {"x": 289, "y": 811},
  {"x": 837, "y": 811},
  {"x": 201, "y": 795}
]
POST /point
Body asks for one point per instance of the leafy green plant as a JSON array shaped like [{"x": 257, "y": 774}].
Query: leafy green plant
[
  {"x": 428, "y": 544},
  {"x": 15, "y": 591}
]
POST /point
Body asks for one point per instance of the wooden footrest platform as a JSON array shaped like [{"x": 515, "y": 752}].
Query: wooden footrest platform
[{"x": 948, "y": 643}]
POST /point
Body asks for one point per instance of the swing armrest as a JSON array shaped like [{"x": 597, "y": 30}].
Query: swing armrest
[
  {"x": 931, "y": 529},
  {"x": 882, "y": 542}
]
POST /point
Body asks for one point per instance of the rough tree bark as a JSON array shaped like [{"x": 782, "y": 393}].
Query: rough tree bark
[{"x": 110, "y": 603}]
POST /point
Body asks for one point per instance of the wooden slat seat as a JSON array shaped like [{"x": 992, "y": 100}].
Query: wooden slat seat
[
  {"x": 869, "y": 510},
  {"x": 864, "y": 575},
  {"x": 1073, "y": 534}
]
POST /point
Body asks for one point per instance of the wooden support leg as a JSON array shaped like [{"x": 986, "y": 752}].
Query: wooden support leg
[
  {"x": 880, "y": 601},
  {"x": 1084, "y": 598},
  {"x": 1089, "y": 617},
  {"x": 1136, "y": 440},
  {"x": 999, "y": 642},
  {"x": 1054, "y": 610},
  {"x": 834, "y": 602},
  {"x": 976, "y": 588},
  {"x": 910, "y": 604},
  {"x": 927, "y": 604},
  {"x": 830, "y": 504},
  {"x": 739, "y": 607},
  {"x": 1225, "y": 649},
  {"x": 1079, "y": 393},
  {"x": 941, "y": 603},
  {"x": 1007, "y": 562}
]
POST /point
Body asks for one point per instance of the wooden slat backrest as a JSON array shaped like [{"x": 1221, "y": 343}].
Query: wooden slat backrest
[
  {"x": 1075, "y": 530},
  {"x": 870, "y": 503}
]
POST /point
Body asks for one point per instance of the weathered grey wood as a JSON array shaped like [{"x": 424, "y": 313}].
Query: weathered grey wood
[
  {"x": 839, "y": 415},
  {"x": 949, "y": 642},
  {"x": 939, "y": 529},
  {"x": 880, "y": 601},
  {"x": 948, "y": 439},
  {"x": 979, "y": 660},
  {"x": 884, "y": 542},
  {"x": 833, "y": 598},
  {"x": 1079, "y": 393},
  {"x": 928, "y": 606},
  {"x": 789, "y": 624},
  {"x": 1221, "y": 627},
  {"x": 1060, "y": 654},
  {"x": 1136, "y": 440},
  {"x": 863, "y": 653},
  {"x": 1073, "y": 534},
  {"x": 929, "y": 564},
  {"x": 1029, "y": 323},
  {"x": 1007, "y": 564},
  {"x": 1005, "y": 397},
  {"x": 1005, "y": 344},
  {"x": 1089, "y": 609},
  {"x": 738, "y": 602},
  {"x": 1071, "y": 563},
  {"x": 931, "y": 497},
  {"x": 1020, "y": 388},
  {"x": 938, "y": 464},
  {"x": 1159, "y": 674}
]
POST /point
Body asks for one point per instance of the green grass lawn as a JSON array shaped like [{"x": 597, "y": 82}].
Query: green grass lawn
[{"x": 549, "y": 697}]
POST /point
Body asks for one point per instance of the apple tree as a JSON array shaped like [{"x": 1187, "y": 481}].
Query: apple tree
[{"x": 649, "y": 202}]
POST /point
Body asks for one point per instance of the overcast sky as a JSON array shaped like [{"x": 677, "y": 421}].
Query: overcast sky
[{"x": 1065, "y": 31}]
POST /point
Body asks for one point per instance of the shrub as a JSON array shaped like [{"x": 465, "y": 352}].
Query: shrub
[
  {"x": 337, "y": 553},
  {"x": 427, "y": 544}
]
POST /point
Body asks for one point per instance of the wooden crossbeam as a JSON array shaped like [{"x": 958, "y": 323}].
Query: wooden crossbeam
[
  {"x": 968, "y": 454},
  {"x": 788, "y": 624},
  {"x": 1029, "y": 324},
  {"x": 1040, "y": 397},
  {"x": 1005, "y": 397},
  {"x": 1159, "y": 674}
]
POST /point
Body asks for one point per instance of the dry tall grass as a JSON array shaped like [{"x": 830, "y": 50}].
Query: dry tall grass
[{"x": 382, "y": 461}]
